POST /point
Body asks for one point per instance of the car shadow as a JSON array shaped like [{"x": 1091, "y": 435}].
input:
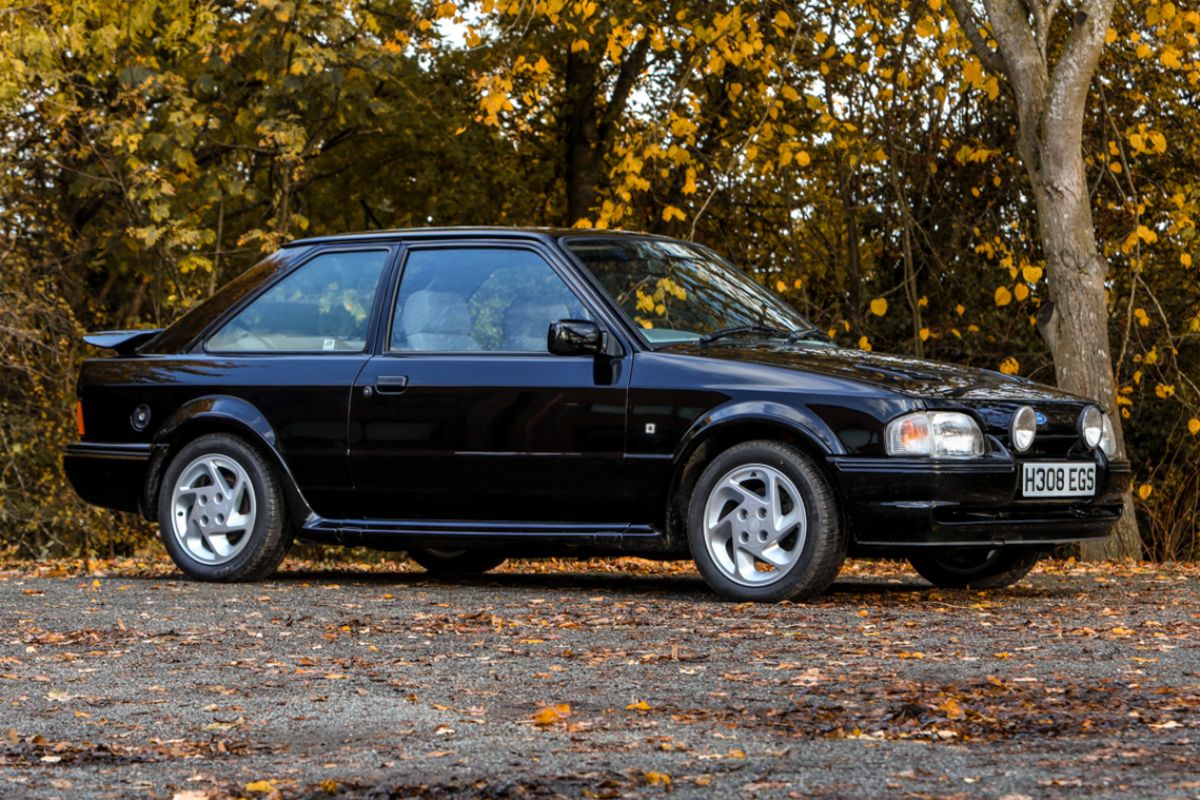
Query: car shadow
[
  {"x": 897, "y": 589},
  {"x": 608, "y": 583}
]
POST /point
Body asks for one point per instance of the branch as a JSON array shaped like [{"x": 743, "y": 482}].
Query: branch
[
  {"x": 631, "y": 70},
  {"x": 966, "y": 20},
  {"x": 1025, "y": 67},
  {"x": 1076, "y": 65}
]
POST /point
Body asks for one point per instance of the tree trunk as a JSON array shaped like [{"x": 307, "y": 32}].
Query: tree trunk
[{"x": 582, "y": 157}]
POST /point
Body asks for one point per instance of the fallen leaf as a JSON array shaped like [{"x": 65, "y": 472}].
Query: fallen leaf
[{"x": 552, "y": 714}]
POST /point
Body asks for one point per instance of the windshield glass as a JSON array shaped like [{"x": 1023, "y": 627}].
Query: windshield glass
[{"x": 677, "y": 292}]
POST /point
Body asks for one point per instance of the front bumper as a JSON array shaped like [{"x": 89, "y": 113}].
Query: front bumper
[
  {"x": 910, "y": 501},
  {"x": 108, "y": 475}
]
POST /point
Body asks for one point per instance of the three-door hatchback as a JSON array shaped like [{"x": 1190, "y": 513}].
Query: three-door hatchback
[{"x": 470, "y": 395}]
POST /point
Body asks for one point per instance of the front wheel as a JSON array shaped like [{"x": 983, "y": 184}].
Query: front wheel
[
  {"x": 975, "y": 567},
  {"x": 455, "y": 562},
  {"x": 221, "y": 511},
  {"x": 763, "y": 524}
]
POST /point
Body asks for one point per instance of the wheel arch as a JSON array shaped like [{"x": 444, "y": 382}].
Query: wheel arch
[
  {"x": 731, "y": 425},
  {"x": 219, "y": 414}
]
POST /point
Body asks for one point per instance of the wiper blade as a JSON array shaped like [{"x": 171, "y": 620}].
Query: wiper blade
[
  {"x": 807, "y": 334},
  {"x": 736, "y": 329}
]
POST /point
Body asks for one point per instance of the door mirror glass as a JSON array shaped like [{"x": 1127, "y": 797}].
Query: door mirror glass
[{"x": 575, "y": 337}]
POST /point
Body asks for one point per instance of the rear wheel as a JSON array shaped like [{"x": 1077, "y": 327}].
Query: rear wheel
[
  {"x": 763, "y": 524},
  {"x": 441, "y": 561},
  {"x": 975, "y": 567},
  {"x": 221, "y": 511}
]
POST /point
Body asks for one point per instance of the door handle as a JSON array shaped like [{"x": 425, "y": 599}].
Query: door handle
[{"x": 391, "y": 384}]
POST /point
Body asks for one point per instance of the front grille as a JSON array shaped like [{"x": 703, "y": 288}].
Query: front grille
[{"x": 1058, "y": 437}]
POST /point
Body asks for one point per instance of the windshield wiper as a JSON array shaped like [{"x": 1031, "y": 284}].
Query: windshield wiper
[
  {"x": 807, "y": 334},
  {"x": 736, "y": 329}
]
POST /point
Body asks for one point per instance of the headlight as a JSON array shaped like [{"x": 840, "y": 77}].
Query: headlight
[
  {"x": 1108, "y": 437},
  {"x": 1091, "y": 426},
  {"x": 939, "y": 434},
  {"x": 1023, "y": 429}
]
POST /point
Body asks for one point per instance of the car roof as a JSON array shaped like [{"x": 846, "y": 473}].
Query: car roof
[{"x": 481, "y": 232}]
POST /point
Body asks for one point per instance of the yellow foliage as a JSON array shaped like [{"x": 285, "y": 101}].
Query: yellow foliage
[
  {"x": 879, "y": 306},
  {"x": 1010, "y": 366},
  {"x": 1003, "y": 296}
]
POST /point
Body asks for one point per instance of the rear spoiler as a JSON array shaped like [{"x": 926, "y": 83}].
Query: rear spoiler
[{"x": 125, "y": 343}]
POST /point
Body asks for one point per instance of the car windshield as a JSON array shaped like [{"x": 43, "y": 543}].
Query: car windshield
[{"x": 677, "y": 292}]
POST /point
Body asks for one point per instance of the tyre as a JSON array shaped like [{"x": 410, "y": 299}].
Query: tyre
[
  {"x": 455, "y": 562},
  {"x": 221, "y": 511},
  {"x": 763, "y": 524},
  {"x": 975, "y": 567}
]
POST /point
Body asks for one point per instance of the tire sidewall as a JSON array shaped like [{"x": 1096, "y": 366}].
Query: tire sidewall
[
  {"x": 822, "y": 532},
  {"x": 462, "y": 563},
  {"x": 266, "y": 504},
  {"x": 1009, "y": 566}
]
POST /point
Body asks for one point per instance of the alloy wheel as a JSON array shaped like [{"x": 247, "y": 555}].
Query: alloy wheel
[
  {"x": 213, "y": 509},
  {"x": 754, "y": 524}
]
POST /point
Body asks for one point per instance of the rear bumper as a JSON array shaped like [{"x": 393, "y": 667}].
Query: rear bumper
[
  {"x": 108, "y": 475},
  {"x": 918, "y": 502}
]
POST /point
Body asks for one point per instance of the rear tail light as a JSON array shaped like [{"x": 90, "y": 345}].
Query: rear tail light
[{"x": 79, "y": 417}]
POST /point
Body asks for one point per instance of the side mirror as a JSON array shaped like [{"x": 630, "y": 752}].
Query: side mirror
[{"x": 576, "y": 337}]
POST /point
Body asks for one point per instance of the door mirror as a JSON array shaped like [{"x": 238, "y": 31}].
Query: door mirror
[{"x": 576, "y": 337}]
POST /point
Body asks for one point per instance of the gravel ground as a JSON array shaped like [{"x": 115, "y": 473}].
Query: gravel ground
[{"x": 599, "y": 680}]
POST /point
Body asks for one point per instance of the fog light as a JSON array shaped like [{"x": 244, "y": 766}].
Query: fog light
[
  {"x": 1091, "y": 426},
  {"x": 1108, "y": 437},
  {"x": 1024, "y": 429}
]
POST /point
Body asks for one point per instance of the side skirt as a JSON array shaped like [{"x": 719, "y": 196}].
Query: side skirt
[{"x": 522, "y": 537}]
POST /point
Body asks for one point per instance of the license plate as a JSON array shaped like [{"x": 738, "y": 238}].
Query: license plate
[{"x": 1058, "y": 480}]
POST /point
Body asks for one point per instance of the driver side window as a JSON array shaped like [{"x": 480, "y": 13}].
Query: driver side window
[
  {"x": 323, "y": 306},
  {"x": 456, "y": 300}
]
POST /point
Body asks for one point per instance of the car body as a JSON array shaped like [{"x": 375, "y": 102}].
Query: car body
[{"x": 406, "y": 397}]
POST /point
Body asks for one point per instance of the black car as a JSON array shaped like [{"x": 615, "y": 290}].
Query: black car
[{"x": 469, "y": 395}]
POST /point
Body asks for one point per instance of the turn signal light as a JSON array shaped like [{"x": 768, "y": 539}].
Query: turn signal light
[{"x": 79, "y": 417}]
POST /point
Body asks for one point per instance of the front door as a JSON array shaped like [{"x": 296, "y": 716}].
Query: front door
[{"x": 465, "y": 415}]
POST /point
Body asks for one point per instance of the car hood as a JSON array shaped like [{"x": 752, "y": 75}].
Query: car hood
[{"x": 911, "y": 376}]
